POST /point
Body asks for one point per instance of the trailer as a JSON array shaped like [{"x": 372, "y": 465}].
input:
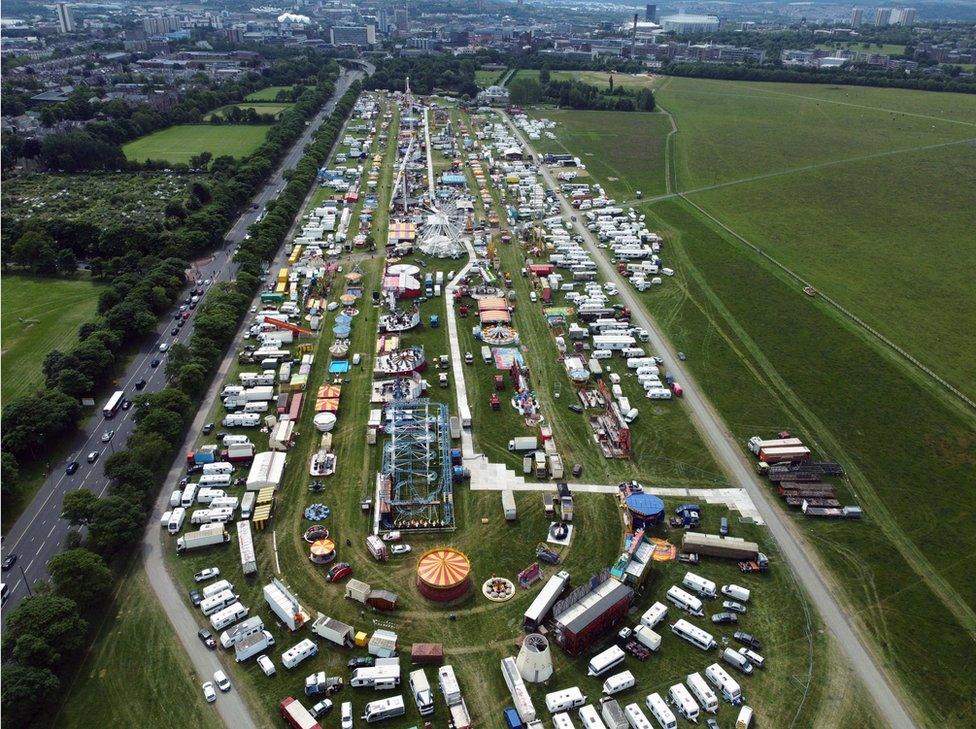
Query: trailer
[
  {"x": 508, "y": 504},
  {"x": 702, "y": 692},
  {"x": 654, "y": 615},
  {"x": 685, "y": 601},
  {"x": 206, "y": 536},
  {"x": 605, "y": 660},
  {"x": 683, "y": 702},
  {"x": 284, "y": 605},
  {"x": 618, "y": 682},
  {"x": 704, "y": 588},
  {"x": 334, "y": 631},
  {"x": 784, "y": 454},
  {"x": 516, "y": 687},
  {"x": 544, "y": 601},
  {"x": 724, "y": 684},
  {"x": 693, "y": 634},
  {"x": 253, "y": 645},
  {"x": 715, "y": 545},
  {"x": 249, "y": 563}
]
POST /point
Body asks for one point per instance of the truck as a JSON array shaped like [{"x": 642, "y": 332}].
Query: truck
[
  {"x": 253, "y": 645},
  {"x": 296, "y": 715},
  {"x": 523, "y": 444},
  {"x": 206, "y": 536},
  {"x": 320, "y": 683},
  {"x": 333, "y": 631},
  {"x": 756, "y": 444},
  {"x": 785, "y": 454}
]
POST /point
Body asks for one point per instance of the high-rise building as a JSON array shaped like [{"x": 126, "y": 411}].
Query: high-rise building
[
  {"x": 857, "y": 16},
  {"x": 66, "y": 21},
  {"x": 650, "y": 13},
  {"x": 401, "y": 19},
  {"x": 353, "y": 35},
  {"x": 161, "y": 24},
  {"x": 383, "y": 19},
  {"x": 882, "y": 16},
  {"x": 903, "y": 16}
]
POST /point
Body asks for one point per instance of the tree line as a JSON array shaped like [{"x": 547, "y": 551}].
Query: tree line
[
  {"x": 572, "y": 94},
  {"x": 427, "y": 74},
  {"x": 45, "y": 634}
]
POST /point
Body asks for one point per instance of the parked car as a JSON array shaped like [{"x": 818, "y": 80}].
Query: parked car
[
  {"x": 361, "y": 662},
  {"x": 346, "y": 710},
  {"x": 195, "y": 597},
  {"x": 321, "y": 709},
  {"x": 736, "y": 607},
  {"x": 72, "y": 467},
  {"x": 107, "y": 436},
  {"x": 725, "y": 618},
  {"x": 208, "y": 428},
  {"x": 339, "y": 572},
  {"x": 747, "y": 640},
  {"x": 206, "y": 574},
  {"x": 711, "y": 724},
  {"x": 93, "y": 456},
  {"x": 8, "y": 561},
  {"x": 206, "y": 637},
  {"x": 400, "y": 548},
  {"x": 223, "y": 683},
  {"x": 208, "y": 692},
  {"x": 576, "y": 408}
]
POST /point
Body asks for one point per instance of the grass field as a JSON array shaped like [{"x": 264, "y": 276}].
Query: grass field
[
  {"x": 484, "y": 79},
  {"x": 623, "y": 150},
  {"x": 264, "y": 108},
  {"x": 268, "y": 94},
  {"x": 184, "y": 141},
  {"x": 38, "y": 315},
  {"x": 808, "y": 688},
  {"x": 137, "y": 668},
  {"x": 770, "y": 358}
]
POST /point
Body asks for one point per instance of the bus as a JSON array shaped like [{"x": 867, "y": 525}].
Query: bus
[{"x": 113, "y": 404}]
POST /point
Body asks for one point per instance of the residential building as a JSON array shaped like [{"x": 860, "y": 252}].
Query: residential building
[
  {"x": 650, "y": 13},
  {"x": 160, "y": 24},
  {"x": 857, "y": 17},
  {"x": 882, "y": 16},
  {"x": 903, "y": 16},
  {"x": 401, "y": 19},
  {"x": 66, "y": 21}
]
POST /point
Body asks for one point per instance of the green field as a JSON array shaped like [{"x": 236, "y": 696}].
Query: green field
[
  {"x": 624, "y": 150},
  {"x": 810, "y": 686},
  {"x": 38, "y": 315},
  {"x": 137, "y": 668},
  {"x": 771, "y": 358},
  {"x": 267, "y": 94},
  {"x": 265, "y": 108},
  {"x": 484, "y": 79},
  {"x": 184, "y": 141}
]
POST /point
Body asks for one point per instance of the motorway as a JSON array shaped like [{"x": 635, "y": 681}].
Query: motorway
[
  {"x": 40, "y": 531},
  {"x": 797, "y": 553}
]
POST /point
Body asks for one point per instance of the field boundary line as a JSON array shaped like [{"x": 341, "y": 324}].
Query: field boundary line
[{"x": 922, "y": 367}]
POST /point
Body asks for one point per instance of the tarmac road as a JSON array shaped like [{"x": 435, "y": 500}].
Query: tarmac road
[
  {"x": 39, "y": 532},
  {"x": 729, "y": 455}
]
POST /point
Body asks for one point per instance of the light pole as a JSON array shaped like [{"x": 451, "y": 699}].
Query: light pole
[{"x": 26, "y": 581}]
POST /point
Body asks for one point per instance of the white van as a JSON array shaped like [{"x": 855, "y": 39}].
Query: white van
[
  {"x": 384, "y": 709},
  {"x": 189, "y": 495},
  {"x": 176, "y": 520},
  {"x": 737, "y": 660},
  {"x": 565, "y": 699},
  {"x": 683, "y": 702},
  {"x": 267, "y": 665},
  {"x": 660, "y": 711},
  {"x": 228, "y": 616},
  {"x": 618, "y": 682},
  {"x": 736, "y": 592},
  {"x": 218, "y": 602},
  {"x": 698, "y": 584},
  {"x": 605, "y": 660},
  {"x": 298, "y": 653},
  {"x": 744, "y": 720}
]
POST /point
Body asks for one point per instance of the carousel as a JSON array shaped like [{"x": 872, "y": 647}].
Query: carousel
[{"x": 444, "y": 574}]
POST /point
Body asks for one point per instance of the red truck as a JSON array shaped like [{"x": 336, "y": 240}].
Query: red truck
[{"x": 297, "y": 715}]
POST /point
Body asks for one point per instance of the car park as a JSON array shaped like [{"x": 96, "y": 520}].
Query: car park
[
  {"x": 71, "y": 467},
  {"x": 206, "y": 574},
  {"x": 107, "y": 436},
  {"x": 209, "y": 694},
  {"x": 223, "y": 683},
  {"x": 206, "y": 637}
]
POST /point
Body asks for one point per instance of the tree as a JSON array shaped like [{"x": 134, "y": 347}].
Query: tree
[
  {"x": 9, "y": 474},
  {"x": 544, "y": 75},
  {"x": 42, "y": 630},
  {"x": 74, "y": 383},
  {"x": 26, "y": 691},
  {"x": 78, "y": 507},
  {"x": 32, "y": 247},
  {"x": 67, "y": 262},
  {"x": 116, "y": 523},
  {"x": 31, "y": 421},
  {"x": 81, "y": 576}
]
